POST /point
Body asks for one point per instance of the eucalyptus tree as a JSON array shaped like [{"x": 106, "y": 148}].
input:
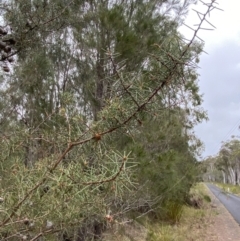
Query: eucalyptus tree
[
  {"x": 228, "y": 161},
  {"x": 224, "y": 167},
  {"x": 211, "y": 171}
]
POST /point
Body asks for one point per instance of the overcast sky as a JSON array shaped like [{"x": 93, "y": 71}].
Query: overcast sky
[{"x": 219, "y": 78}]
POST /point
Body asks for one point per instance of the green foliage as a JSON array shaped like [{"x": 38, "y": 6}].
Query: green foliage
[
  {"x": 165, "y": 235},
  {"x": 93, "y": 123},
  {"x": 173, "y": 210},
  {"x": 161, "y": 149}
]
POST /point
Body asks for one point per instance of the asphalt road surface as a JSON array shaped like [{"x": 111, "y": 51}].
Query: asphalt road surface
[{"x": 230, "y": 201}]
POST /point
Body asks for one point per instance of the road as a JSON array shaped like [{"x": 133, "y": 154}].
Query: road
[{"x": 230, "y": 201}]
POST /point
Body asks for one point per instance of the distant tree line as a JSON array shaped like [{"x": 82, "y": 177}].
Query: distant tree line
[{"x": 225, "y": 166}]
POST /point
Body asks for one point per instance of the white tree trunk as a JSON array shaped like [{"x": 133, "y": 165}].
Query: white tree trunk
[
  {"x": 224, "y": 177},
  {"x": 232, "y": 176}
]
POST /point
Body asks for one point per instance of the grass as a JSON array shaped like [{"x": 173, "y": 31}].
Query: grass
[
  {"x": 174, "y": 211},
  {"x": 235, "y": 189},
  {"x": 190, "y": 225}
]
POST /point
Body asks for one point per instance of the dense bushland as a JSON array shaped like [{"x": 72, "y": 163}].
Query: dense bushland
[{"x": 98, "y": 103}]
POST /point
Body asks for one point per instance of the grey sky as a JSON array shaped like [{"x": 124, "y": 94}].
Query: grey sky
[{"x": 219, "y": 78}]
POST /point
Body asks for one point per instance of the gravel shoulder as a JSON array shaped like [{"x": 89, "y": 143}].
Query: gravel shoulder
[{"x": 222, "y": 227}]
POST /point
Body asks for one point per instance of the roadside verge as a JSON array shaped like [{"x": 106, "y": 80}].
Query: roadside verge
[{"x": 223, "y": 227}]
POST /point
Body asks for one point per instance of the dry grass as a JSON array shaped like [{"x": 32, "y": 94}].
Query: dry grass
[
  {"x": 235, "y": 189},
  {"x": 191, "y": 226},
  {"x": 132, "y": 231}
]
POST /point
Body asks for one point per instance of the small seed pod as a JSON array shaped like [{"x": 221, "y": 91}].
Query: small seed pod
[
  {"x": 7, "y": 49},
  {"x": 97, "y": 137},
  {"x": 2, "y": 45},
  {"x": 113, "y": 188},
  {"x": 109, "y": 218},
  {"x": 6, "y": 69},
  {"x": 26, "y": 221},
  {"x": 46, "y": 189},
  {"x": 1, "y": 199},
  {"x": 3, "y": 31},
  {"x": 4, "y": 56},
  {"x": 10, "y": 59}
]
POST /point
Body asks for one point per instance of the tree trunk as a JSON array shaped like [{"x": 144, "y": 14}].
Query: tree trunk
[{"x": 224, "y": 177}]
